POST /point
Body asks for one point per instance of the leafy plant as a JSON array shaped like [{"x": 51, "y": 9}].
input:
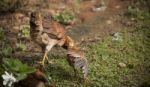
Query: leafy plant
[
  {"x": 16, "y": 67},
  {"x": 133, "y": 11},
  {"x": 138, "y": 13},
  {"x": 21, "y": 46},
  {"x": 65, "y": 16},
  {"x": 24, "y": 31},
  {"x": 6, "y": 51}
]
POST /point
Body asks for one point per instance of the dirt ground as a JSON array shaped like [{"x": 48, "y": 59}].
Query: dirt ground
[
  {"x": 89, "y": 21},
  {"x": 90, "y": 25}
]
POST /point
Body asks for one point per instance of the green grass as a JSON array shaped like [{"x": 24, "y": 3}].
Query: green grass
[
  {"x": 104, "y": 57},
  {"x": 131, "y": 49},
  {"x": 107, "y": 54},
  {"x": 64, "y": 17}
]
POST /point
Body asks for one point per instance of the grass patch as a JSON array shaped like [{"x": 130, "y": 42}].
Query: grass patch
[
  {"x": 65, "y": 17},
  {"x": 121, "y": 60},
  {"x": 106, "y": 55},
  {"x": 104, "y": 58}
]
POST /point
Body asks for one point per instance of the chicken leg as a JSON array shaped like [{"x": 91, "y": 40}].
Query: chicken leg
[
  {"x": 43, "y": 59},
  {"x": 49, "y": 46}
]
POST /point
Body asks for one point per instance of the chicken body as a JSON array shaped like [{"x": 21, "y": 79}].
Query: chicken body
[{"x": 48, "y": 33}]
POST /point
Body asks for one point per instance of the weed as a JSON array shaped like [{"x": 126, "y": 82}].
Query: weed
[
  {"x": 137, "y": 12},
  {"x": 16, "y": 67},
  {"x": 24, "y": 31},
  {"x": 21, "y": 46},
  {"x": 9, "y": 64},
  {"x": 65, "y": 16},
  {"x": 6, "y": 51}
]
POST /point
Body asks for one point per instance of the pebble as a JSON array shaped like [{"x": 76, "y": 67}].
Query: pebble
[
  {"x": 109, "y": 22},
  {"x": 122, "y": 65},
  {"x": 101, "y": 8},
  {"x": 40, "y": 84},
  {"x": 118, "y": 6}
]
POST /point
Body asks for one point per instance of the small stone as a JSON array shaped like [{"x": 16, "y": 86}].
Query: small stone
[
  {"x": 128, "y": 23},
  {"x": 91, "y": 40},
  {"x": 118, "y": 6},
  {"x": 40, "y": 84},
  {"x": 97, "y": 9},
  {"x": 122, "y": 65},
  {"x": 109, "y": 22},
  {"x": 98, "y": 38},
  {"x": 82, "y": 39},
  {"x": 132, "y": 19}
]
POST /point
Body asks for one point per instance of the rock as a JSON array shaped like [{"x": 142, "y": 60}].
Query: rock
[
  {"x": 122, "y": 65},
  {"x": 82, "y": 39},
  {"x": 109, "y": 22},
  {"x": 133, "y": 19},
  {"x": 40, "y": 84},
  {"x": 128, "y": 23},
  {"x": 97, "y": 9},
  {"x": 117, "y": 7}
]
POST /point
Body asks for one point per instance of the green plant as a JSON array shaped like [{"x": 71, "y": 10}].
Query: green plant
[
  {"x": 104, "y": 58},
  {"x": 24, "y": 31},
  {"x": 16, "y": 67},
  {"x": 21, "y": 46},
  {"x": 140, "y": 11},
  {"x": 6, "y": 51},
  {"x": 65, "y": 16},
  {"x": 133, "y": 11}
]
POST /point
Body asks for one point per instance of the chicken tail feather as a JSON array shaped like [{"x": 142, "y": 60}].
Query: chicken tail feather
[{"x": 78, "y": 62}]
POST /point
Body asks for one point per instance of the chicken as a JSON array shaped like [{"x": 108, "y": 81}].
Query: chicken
[{"x": 48, "y": 33}]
